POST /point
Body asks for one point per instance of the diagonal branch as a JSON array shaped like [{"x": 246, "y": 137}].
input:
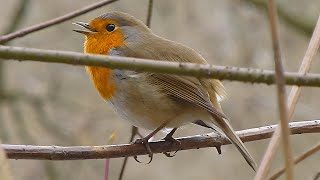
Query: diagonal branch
[
  {"x": 37, "y": 27},
  {"x": 136, "y": 64},
  {"x": 124, "y": 150}
]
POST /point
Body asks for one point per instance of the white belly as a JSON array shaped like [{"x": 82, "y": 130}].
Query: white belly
[{"x": 146, "y": 107}]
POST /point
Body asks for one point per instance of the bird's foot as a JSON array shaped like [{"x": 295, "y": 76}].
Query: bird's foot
[{"x": 145, "y": 142}]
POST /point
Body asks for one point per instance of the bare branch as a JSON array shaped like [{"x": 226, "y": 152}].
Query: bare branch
[
  {"x": 282, "y": 102},
  {"x": 136, "y": 64},
  {"x": 294, "y": 94},
  {"x": 37, "y": 27},
  {"x": 116, "y": 151}
]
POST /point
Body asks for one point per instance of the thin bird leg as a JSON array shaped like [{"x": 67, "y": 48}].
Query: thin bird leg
[
  {"x": 145, "y": 141},
  {"x": 172, "y": 140}
]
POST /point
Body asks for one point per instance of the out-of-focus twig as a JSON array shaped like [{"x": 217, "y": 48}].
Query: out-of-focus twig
[
  {"x": 296, "y": 21},
  {"x": 40, "y": 26},
  {"x": 138, "y": 64},
  {"x": 116, "y": 151},
  {"x": 305, "y": 67},
  {"x": 282, "y": 102},
  {"x": 303, "y": 156},
  {"x": 149, "y": 14},
  {"x": 317, "y": 176},
  {"x": 295, "y": 92}
]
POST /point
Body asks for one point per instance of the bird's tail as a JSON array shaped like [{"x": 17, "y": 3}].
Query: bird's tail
[{"x": 225, "y": 126}]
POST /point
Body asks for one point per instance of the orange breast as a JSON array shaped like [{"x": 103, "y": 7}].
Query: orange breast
[{"x": 101, "y": 43}]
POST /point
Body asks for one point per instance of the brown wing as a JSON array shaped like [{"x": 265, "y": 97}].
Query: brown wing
[{"x": 188, "y": 89}]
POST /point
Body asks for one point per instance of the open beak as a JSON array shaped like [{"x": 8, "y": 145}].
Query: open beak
[{"x": 86, "y": 26}]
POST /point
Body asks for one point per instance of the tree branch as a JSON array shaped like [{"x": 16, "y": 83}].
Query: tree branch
[
  {"x": 54, "y": 21},
  {"x": 136, "y": 64},
  {"x": 124, "y": 150}
]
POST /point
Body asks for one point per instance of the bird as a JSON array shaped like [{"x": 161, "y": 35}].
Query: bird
[{"x": 154, "y": 101}]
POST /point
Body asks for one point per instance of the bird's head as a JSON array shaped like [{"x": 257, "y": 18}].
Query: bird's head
[{"x": 111, "y": 30}]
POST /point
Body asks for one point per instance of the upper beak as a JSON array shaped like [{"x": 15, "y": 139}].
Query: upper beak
[{"x": 84, "y": 25}]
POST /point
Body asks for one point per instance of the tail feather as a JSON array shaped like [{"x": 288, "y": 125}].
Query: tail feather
[{"x": 225, "y": 126}]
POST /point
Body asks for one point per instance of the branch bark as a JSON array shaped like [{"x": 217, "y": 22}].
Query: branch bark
[
  {"x": 125, "y": 150},
  {"x": 136, "y": 64}
]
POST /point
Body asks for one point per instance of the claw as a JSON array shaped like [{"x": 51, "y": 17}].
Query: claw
[
  {"x": 168, "y": 154},
  {"x": 144, "y": 141}
]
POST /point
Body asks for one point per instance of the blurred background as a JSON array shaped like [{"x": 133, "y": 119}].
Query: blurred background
[{"x": 55, "y": 104}]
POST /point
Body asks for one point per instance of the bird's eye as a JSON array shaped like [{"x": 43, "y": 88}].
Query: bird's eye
[{"x": 110, "y": 27}]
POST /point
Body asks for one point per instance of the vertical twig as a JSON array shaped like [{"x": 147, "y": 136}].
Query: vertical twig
[
  {"x": 282, "y": 101},
  {"x": 293, "y": 98},
  {"x": 304, "y": 68},
  {"x": 149, "y": 15}
]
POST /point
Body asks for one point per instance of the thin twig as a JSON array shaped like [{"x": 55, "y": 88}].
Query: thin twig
[
  {"x": 294, "y": 94},
  {"x": 303, "y": 156},
  {"x": 117, "y": 151},
  {"x": 15, "y": 22},
  {"x": 136, "y": 64},
  {"x": 282, "y": 98},
  {"x": 149, "y": 15},
  {"x": 40, "y": 26},
  {"x": 317, "y": 176},
  {"x": 298, "y": 22},
  {"x": 305, "y": 66}
]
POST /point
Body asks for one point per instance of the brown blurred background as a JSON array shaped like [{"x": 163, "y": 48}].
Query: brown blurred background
[{"x": 55, "y": 104}]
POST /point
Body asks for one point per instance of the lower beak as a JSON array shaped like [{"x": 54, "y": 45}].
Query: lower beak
[{"x": 86, "y": 26}]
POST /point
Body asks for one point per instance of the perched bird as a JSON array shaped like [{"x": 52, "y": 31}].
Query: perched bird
[{"x": 149, "y": 100}]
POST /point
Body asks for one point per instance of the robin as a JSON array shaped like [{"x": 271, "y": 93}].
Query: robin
[{"x": 149, "y": 100}]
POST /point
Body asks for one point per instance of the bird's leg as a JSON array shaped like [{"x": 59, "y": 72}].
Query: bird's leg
[
  {"x": 172, "y": 140},
  {"x": 145, "y": 141}
]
